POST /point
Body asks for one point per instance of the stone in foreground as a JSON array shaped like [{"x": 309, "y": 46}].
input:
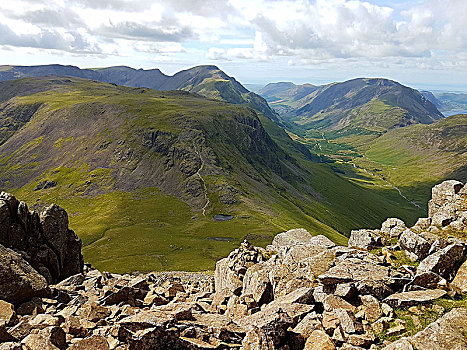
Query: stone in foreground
[{"x": 405, "y": 299}]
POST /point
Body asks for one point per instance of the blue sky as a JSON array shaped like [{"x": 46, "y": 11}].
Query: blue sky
[{"x": 421, "y": 43}]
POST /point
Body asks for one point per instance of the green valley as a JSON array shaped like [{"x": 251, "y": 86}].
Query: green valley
[
  {"x": 376, "y": 132},
  {"x": 135, "y": 167}
]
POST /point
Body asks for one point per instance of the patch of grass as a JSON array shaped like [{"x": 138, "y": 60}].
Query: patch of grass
[{"x": 426, "y": 314}]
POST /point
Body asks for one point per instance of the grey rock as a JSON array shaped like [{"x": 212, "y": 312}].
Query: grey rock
[
  {"x": 405, "y": 299},
  {"x": 414, "y": 243},
  {"x": 364, "y": 239},
  {"x": 353, "y": 269},
  {"x": 393, "y": 227},
  {"x": 444, "y": 262},
  {"x": 256, "y": 283},
  {"x": 19, "y": 282},
  {"x": 447, "y": 333}
]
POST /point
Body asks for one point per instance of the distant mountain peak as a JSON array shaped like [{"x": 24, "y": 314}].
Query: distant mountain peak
[{"x": 207, "y": 80}]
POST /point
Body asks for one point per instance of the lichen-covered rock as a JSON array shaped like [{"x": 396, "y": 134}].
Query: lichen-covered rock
[
  {"x": 7, "y": 313},
  {"x": 459, "y": 283},
  {"x": 51, "y": 338},
  {"x": 291, "y": 238},
  {"x": 354, "y": 269},
  {"x": 95, "y": 342},
  {"x": 257, "y": 339},
  {"x": 414, "y": 297},
  {"x": 427, "y": 280},
  {"x": 319, "y": 340},
  {"x": 230, "y": 271},
  {"x": 414, "y": 243},
  {"x": 393, "y": 227},
  {"x": 256, "y": 282},
  {"x": 401, "y": 344},
  {"x": 65, "y": 243},
  {"x": 445, "y": 200}
]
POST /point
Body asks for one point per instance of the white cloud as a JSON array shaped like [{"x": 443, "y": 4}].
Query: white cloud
[
  {"x": 216, "y": 53},
  {"x": 424, "y": 35}
]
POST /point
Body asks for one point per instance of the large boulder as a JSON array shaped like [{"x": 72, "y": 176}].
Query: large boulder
[
  {"x": 444, "y": 200},
  {"x": 319, "y": 340},
  {"x": 299, "y": 236},
  {"x": 50, "y": 338},
  {"x": 66, "y": 244},
  {"x": 414, "y": 243},
  {"x": 405, "y": 299},
  {"x": 230, "y": 271},
  {"x": 19, "y": 282},
  {"x": 364, "y": 239},
  {"x": 352, "y": 270},
  {"x": 444, "y": 262},
  {"x": 448, "y": 205},
  {"x": 393, "y": 227},
  {"x": 291, "y": 237},
  {"x": 49, "y": 245},
  {"x": 256, "y": 283}
]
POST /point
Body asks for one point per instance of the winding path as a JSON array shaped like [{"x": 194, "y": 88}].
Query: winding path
[
  {"x": 390, "y": 184},
  {"x": 201, "y": 178}
]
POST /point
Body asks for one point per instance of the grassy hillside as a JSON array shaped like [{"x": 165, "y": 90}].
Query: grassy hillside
[
  {"x": 376, "y": 132},
  {"x": 142, "y": 173},
  {"x": 411, "y": 159},
  {"x": 420, "y": 155}
]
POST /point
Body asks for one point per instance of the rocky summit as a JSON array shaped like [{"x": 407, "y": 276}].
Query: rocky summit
[{"x": 392, "y": 288}]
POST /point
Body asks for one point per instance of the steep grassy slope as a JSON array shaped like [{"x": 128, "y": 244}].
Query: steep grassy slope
[
  {"x": 143, "y": 172},
  {"x": 420, "y": 155},
  {"x": 208, "y": 81}
]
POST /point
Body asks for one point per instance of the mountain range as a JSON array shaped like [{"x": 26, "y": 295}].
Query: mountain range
[
  {"x": 447, "y": 101},
  {"x": 374, "y": 105},
  {"x": 174, "y": 179},
  {"x": 208, "y": 81}
]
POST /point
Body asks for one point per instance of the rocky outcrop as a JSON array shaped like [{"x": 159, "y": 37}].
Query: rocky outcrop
[
  {"x": 301, "y": 292},
  {"x": 44, "y": 240},
  {"x": 19, "y": 282}
]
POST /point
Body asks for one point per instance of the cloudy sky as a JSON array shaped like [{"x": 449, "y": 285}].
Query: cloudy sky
[{"x": 421, "y": 43}]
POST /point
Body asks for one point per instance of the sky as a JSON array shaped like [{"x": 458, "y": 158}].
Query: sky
[{"x": 420, "y": 43}]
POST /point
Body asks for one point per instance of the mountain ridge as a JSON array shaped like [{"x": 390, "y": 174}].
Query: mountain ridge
[
  {"x": 207, "y": 80},
  {"x": 374, "y": 104}
]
